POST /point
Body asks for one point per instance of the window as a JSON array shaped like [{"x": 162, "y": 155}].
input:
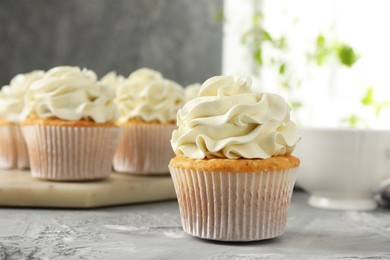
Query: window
[{"x": 328, "y": 58}]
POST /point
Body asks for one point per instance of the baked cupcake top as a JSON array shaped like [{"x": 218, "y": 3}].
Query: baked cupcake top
[
  {"x": 229, "y": 120},
  {"x": 112, "y": 79},
  {"x": 70, "y": 94},
  {"x": 192, "y": 91},
  {"x": 148, "y": 96},
  {"x": 12, "y": 95}
]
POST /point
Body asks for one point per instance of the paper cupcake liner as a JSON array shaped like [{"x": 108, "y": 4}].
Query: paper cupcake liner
[
  {"x": 230, "y": 206},
  {"x": 13, "y": 150},
  {"x": 144, "y": 149},
  {"x": 71, "y": 153}
]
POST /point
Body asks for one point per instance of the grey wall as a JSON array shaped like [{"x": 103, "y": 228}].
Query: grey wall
[{"x": 180, "y": 38}]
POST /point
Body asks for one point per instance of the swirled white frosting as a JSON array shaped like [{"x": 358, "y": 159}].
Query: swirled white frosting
[
  {"x": 12, "y": 95},
  {"x": 69, "y": 93},
  {"x": 192, "y": 91},
  {"x": 112, "y": 79},
  {"x": 149, "y": 96},
  {"x": 229, "y": 120}
]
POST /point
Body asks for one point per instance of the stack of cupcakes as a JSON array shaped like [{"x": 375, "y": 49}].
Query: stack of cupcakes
[
  {"x": 148, "y": 104},
  {"x": 233, "y": 171},
  {"x": 13, "y": 151},
  {"x": 73, "y": 123}
]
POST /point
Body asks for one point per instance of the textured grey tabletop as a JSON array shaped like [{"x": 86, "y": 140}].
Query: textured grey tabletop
[{"x": 153, "y": 231}]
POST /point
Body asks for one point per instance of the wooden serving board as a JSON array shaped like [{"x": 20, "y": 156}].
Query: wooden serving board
[{"x": 18, "y": 188}]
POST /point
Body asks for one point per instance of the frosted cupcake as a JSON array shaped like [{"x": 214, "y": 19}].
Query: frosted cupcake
[
  {"x": 233, "y": 171},
  {"x": 13, "y": 150},
  {"x": 69, "y": 126},
  {"x": 148, "y": 104}
]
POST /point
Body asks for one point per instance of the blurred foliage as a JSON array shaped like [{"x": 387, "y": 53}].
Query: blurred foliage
[
  {"x": 296, "y": 104},
  {"x": 353, "y": 121},
  {"x": 347, "y": 55},
  {"x": 219, "y": 16},
  {"x": 325, "y": 49},
  {"x": 257, "y": 37},
  {"x": 369, "y": 100}
]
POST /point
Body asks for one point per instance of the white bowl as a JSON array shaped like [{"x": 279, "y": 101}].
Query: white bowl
[{"x": 343, "y": 168}]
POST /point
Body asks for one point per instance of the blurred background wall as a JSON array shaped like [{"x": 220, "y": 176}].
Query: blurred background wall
[{"x": 180, "y": 38}]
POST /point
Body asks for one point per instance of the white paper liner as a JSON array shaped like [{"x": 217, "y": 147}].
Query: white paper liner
[
  {"x": 231, "y": 206},
  {"x": 13, "y": 150},
  {"x": 144, "y": 149},
  {"x": 71, "y": 153}
]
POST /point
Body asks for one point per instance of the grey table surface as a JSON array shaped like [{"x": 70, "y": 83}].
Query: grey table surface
[{"x": 153, "y": 231}]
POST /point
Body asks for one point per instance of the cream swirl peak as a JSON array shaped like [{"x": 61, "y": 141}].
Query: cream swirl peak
[
  {"x": 69, "y": 93},
  {"x": 229, "y": 120},
  {"x": 147, "y": 95},
  {"x": 12, "y": 96},
  {"x": 112, "y": 79},
  {"x": 192, "y": 91}
]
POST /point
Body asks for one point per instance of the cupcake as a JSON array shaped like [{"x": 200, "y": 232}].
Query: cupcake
[
  {"x": 13, "y": 150},
  {"x": 233, "y": 171},
  {"x": 148, "y": 104},
  {"x": 70, "y": 126}
]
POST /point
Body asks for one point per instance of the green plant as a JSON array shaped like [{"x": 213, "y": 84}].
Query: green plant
[
  {"x": 369, "y": 100},
  {"x": 257, "y": 37},
  {"x": 346, "y": 56},
  {"x": 354, "y": 121},
  {"x": 219, "y": 16},
  {"x": 325, "y": 49}
]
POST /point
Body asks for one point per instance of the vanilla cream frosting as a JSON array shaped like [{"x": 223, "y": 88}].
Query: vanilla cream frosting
[
  {"x": 12, "y": 95},
  {"x": 112, "y": 79},
  {"x": 147, "y": 95},
  {"x": 69, "y": 93},
  {"x": 192, "y": 91},
  {"x": 229, "y": 120}
]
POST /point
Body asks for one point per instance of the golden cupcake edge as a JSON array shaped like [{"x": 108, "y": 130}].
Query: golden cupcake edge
[
  {"x": 53, "y": 121},
  {"x": 5, "y": 122},
  {"x": 140, "y": 121},
  {"x": 283, "y": 162}
]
